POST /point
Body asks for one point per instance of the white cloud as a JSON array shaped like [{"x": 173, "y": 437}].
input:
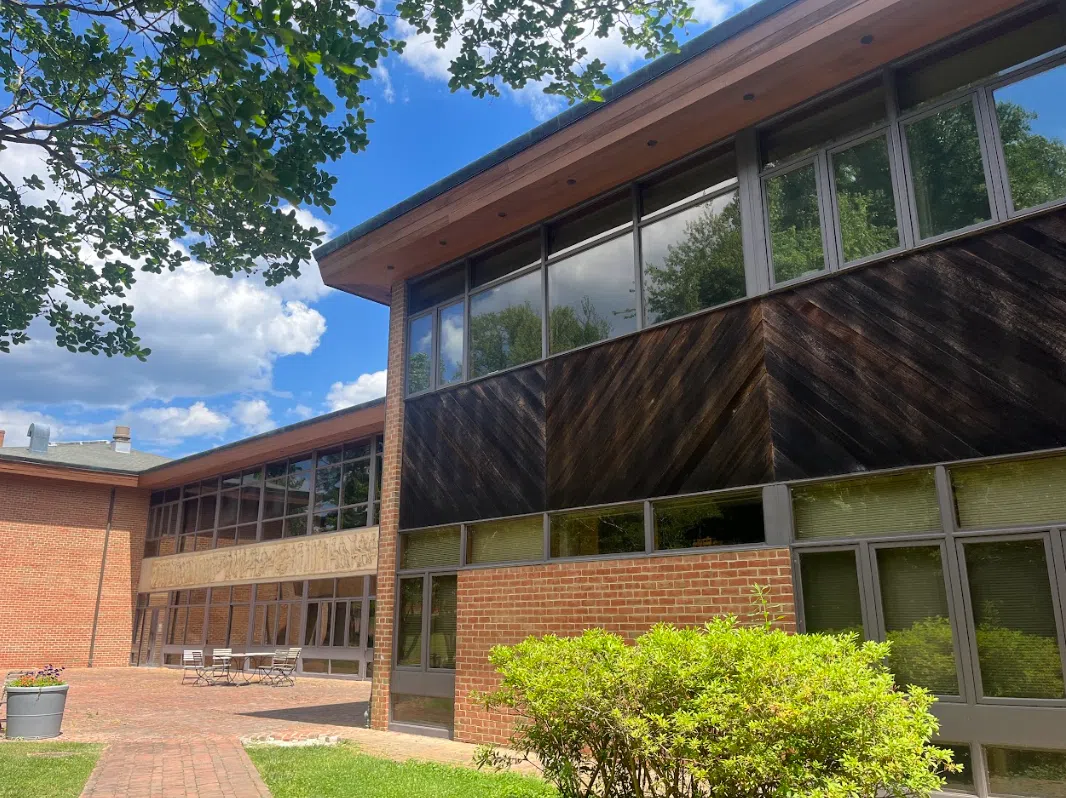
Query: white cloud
[
  {"x": 388, "y": 92},
  {"x": 253, "y": 415},
  {"x": 301, "y": 412},
  {"x": 365, "y": 388},
  {"x": 172, "y": 425},
  {"x": 15, "y": 422}
]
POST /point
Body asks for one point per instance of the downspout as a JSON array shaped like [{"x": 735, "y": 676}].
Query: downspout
[{"x": 100, "y": 582}]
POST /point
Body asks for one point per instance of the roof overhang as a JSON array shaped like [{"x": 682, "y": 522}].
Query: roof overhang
[
  {"x": 781, "y": 52},
  {"x": 97, "y": 476},
  {"x": 343, "y": 425}
]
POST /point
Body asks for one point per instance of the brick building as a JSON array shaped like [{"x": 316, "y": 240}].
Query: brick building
[
  {"x": 121, "y": 557},
  {"x": 786, "y": 308}
]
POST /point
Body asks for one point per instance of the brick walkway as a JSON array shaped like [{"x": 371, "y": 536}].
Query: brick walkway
[{"x": 168, "y": 740}]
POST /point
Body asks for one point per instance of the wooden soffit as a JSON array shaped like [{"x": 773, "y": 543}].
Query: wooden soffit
[
  {"x": 326, "y": 431},
  {"x": 807, "y": 48}
]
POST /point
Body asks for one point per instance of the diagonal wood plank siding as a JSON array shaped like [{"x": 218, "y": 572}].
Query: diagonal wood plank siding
[
  {"x": 953, "y": 352},
  {"x": 476, "y": 451},
  {"x": 681, "y": 408}
]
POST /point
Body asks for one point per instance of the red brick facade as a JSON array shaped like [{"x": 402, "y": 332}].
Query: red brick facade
[
  {"x": 389, "y": 521},
  {"x": 51, "y": 541},
  {"x": 627, "y": 596}
]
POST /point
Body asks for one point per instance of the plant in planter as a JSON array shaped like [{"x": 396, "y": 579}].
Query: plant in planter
[{"x": 35, "y": 704}]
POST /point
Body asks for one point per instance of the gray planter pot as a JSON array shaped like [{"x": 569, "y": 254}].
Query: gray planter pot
[{"x": 35, "y": 713}]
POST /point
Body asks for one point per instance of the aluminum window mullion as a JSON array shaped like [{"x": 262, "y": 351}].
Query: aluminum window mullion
[
  {"x": 832, "y": 244},
  {"x": 957, "y": 592},
  {"x": 905, "y": 217},
  {"x": 1054, "y": 552},
  {"x": 753, "y": 226},
  {"x": 638, "y": 261},
  {"x": 545, "y": 342},
  {"x": 427, "y": 601},
  {"x": 867, "y": 594},
  {"x": 995, "y": 171}
]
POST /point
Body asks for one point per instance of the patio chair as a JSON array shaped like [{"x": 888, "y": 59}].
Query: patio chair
[
  {"x": 192, "y": 666},
  {"x": 221, "y": 665},
  {"x": 281, "y": 669}
]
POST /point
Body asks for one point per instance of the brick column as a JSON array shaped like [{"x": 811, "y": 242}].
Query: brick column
[{"x": 389, "y": 523}]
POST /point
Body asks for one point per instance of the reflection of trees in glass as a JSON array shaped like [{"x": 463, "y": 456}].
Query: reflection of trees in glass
[
  {"x": 504, "y": 338},
  {"x": 1036, "y": 165},
  {"x": 949, "y": 178},
  {"x": 418, "y": 372},
  {"x": 705, "y": 267},
  {"x": 1013, "y": 664},
  {"x": 570, "y": 328},
  {"x": 924, "y": 655},
  {"x": 865, "y": 203},
  {"x": 795, "y": 226}
]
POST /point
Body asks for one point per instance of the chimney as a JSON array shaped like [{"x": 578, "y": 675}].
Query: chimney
[
  {"x": 1, "y": 437},
  {"x": 39, "y": 438},
  {"x": 120, "y": 441}
]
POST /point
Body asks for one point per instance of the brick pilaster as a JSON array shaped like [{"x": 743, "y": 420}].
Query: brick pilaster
[{"x": 390, "y": 508}]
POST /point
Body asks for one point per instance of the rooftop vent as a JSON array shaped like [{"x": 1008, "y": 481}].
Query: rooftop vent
[
  {"x": 120, "y": 441},
  {"x": 39, "y": 438}
]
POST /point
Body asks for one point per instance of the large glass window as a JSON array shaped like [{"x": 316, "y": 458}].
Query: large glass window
[
  {"x": 794, "y": 223},
  {"x": 450, "y": 334},
  {"x": 409, "y": 636},
  {"x": 1032, "y": 128},
  {"x": 419, "y": 354},
  {"x": 693, "y": 259},
  {"x": 511, "y": 540},
  {"x": 506, "y": 325},
  {"x": 866, "y": 205},
  {"x": 1014, "y": 618},
  {"x": 1019, "y": 771},
  {"x": 442, "y": 621},
  {"x": 592, "y": 295},
  {"x": 703, "y": 521},
  {"x": 947, "y": 170},
  {"x": 914, "y": 608},
  {"x": 894, "y": 504},
  {"x": 1012, "y": 493},
  {"x": 831, "y": 598},
  {"x": 613, "y": 530},
  {"x": 430, "y": 549}
]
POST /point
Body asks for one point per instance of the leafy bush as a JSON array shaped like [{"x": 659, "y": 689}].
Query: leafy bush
[
  {"x": 48, "y": 676},
  {"x": 721, "y": 711}
]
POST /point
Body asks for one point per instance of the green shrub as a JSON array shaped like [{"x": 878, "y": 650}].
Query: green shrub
[{"x": 721, "y": 711}]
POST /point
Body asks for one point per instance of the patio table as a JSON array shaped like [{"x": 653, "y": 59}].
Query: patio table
[{"x": 245, "y": 656}]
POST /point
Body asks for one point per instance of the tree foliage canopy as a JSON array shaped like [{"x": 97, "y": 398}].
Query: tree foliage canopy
[{"x": 207, "y": 123}]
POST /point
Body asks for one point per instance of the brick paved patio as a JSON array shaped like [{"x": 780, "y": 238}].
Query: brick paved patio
[{"x": 168, "y": 740}]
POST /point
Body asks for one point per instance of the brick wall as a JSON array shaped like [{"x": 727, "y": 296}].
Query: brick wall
[
  {"x": 390, "y": 508},
  {"x": 51, "y": 548},
  {"x": 506, "y": 605}
]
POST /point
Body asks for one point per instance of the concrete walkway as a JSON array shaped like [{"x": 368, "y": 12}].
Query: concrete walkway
[{"x": 168, "y": 740}]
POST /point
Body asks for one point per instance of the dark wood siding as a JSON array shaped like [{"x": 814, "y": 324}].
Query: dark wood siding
[
  {"x": 681, "y": 408},
  {"x": 476, "y": 451},
  {"x": 958, "y": 351}
]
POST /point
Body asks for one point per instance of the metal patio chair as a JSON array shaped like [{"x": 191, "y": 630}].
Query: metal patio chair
[
  {"x": 221, "y": 665},
  {"x": 282, "y": 668},
  {"x": 192, "y": 666}
]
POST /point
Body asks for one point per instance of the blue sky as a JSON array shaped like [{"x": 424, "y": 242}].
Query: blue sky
[{"x": 233, "y": 358}]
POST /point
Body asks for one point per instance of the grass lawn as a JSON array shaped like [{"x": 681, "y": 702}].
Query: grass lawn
[
  {"x": 341, "y": 771},
  {"x": 45, "y": 770}
]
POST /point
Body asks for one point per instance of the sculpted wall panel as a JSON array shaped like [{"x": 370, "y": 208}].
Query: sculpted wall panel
[{"x": 319, "y": 555}]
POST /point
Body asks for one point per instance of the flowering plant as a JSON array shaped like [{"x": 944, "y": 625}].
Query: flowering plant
[{"x": 46, "y": 677}]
